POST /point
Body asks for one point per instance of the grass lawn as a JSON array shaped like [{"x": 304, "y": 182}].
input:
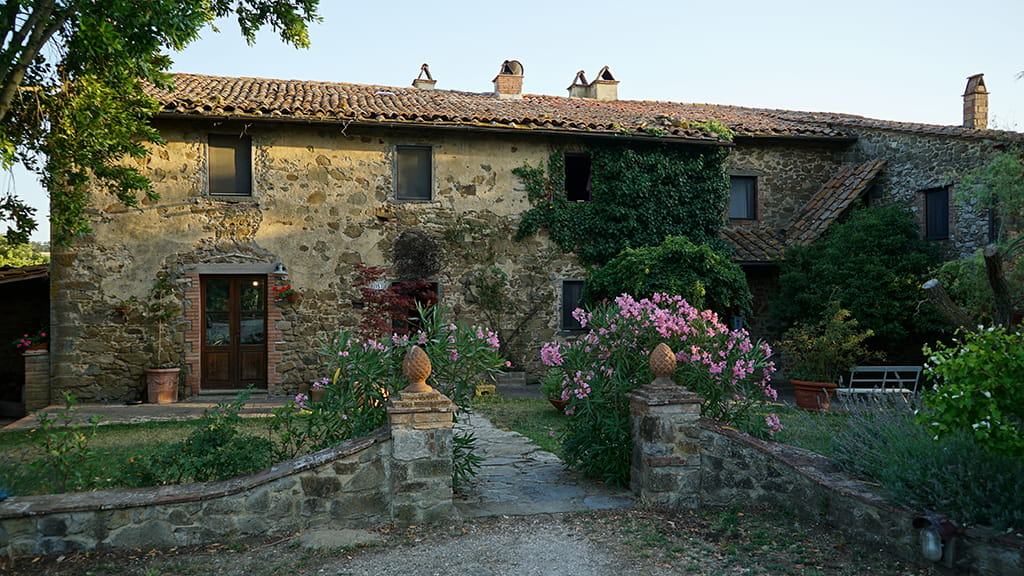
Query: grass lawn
[
  {"x": 112, "y": 447},
  {"x": 534, "y": 418}
]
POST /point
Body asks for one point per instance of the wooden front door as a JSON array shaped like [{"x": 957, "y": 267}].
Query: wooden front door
[{"x": 234, "y": 348}]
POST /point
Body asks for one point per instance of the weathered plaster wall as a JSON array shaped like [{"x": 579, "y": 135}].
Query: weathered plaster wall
[{"x": 321, "y": 203}]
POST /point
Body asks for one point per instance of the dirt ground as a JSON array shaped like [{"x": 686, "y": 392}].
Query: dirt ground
[{"x": 636, "y": 541}]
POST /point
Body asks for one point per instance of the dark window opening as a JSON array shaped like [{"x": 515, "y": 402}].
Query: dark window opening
[
  {"x": 230, "y": 159},
  {"x": 577, "y": 177},
  {"x": 936, "y": 213},
  {"x": 413, "y": 173},
  {"x": 743, "y": 197},
  {"x": 572, "y": 298}
]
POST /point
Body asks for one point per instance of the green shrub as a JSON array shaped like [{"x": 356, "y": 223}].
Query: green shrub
[
  {"x": 873, "y": 265},
  {"x": 704, "y": 276},
  {"x": 819, "y": 352},
  {"x": 214, "y": 450},
  {"x": 952, "y": 475},
  {"x": 599, "y": 368},
  {"x": 64, "y": 443},
  {"x": 980, "y": 389}
]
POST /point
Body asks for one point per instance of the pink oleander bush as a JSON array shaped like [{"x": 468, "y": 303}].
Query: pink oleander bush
[
  {"x": 363, "y": 372},
  {"x": 596, "y": 371}
]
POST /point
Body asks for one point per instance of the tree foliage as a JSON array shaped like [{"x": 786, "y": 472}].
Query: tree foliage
[
  {"x": 640, "y": 194},
  {"x": 999, "y": 186},
  {"x": 16, "y": 255},
  {"x": 872, "y": 265},
  {"x": 71, "y": 105},
  {"x": 705, "y": 277}
]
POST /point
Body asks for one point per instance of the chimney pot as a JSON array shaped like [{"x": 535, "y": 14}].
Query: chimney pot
[
  {"x": 424, "y": 81},
  {"x": 976, "y": 103},
  {"x": 509, "y": 81},
  {"x": 605, "y": 87}
]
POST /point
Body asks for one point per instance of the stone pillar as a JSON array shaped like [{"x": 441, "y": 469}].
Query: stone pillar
[
  {"x": 36, "y": 393},
  {"x": 665, "y": 465},
  {"x": 421, "y": 420}
]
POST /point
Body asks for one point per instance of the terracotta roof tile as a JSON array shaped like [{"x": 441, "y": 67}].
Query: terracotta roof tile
[
  {"x": 338, "y": 102},
  {"x": 831, "y": 201},
  {"x": 17, "y": 274},
  {"x": 755, "y": 243}
]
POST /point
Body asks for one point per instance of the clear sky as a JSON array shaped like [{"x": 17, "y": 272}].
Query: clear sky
[{"x": 904, "y": 60}]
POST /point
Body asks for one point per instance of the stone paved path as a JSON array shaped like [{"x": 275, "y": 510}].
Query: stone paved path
[{"x": 517, "y": 478}]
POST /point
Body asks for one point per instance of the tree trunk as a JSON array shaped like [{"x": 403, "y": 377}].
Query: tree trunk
[
  {"x": 944, "y": 304},
  {"x": 1003, "y": 314}
]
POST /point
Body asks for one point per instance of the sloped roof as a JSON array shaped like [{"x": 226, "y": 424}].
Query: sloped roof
[
  {"x": 829, "y": 202},
  {"x": 755, "y": 243},
  {"x": 764, "y": 244},
  {"x": 197, "y": 95},
  {"x": 253, "y": 98},
  {"x": 17, "y": 274}
]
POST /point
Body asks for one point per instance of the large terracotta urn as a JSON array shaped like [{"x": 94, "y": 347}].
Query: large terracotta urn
[{"x": 813, "y": 396}]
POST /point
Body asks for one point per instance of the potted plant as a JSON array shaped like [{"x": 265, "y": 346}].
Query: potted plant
[
  {"x": 551, "y": 388},
  {"x": 37, "y": 341},
  {"x": 819, "y": 352},
  {"x": 162, "y": 375},
  {"x": 285, "y": 293}
]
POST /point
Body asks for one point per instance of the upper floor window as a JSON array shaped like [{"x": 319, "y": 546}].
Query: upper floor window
[
  {"x": 572, "y": 298},
  {"x": 577, "y": 177},
  {"x": 936, "y": 213},
  {"x": 230, "y": 165},
  {"x": 743, "y": 197},
  {"x": 413, "y": 173}
]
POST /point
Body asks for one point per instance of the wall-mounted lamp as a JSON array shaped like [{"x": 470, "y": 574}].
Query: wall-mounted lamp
[
  {"x": 937, "y": 537},
  {"x": 280, "y": 270}
]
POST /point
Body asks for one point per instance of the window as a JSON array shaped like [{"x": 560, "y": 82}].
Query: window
[
  {"x": 413, "y": 173},
  {"x": 572, "y": 298},
  {"x": 936, "y": 213},
  {"x": 743, "y": 197},
  {"x": 577, "y": 177},
  {"x": 230, "y": 159}
]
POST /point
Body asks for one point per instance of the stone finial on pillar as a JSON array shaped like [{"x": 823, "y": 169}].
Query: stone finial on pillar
[
  {"x": 666, "y": 462},
  {"x": 663, "y": 364},
  {"x": 416, "y": 369},
  {"x": 420, "y": 469}
]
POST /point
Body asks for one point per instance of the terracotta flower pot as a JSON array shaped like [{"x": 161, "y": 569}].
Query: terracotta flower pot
[
  {"x": 813, "y": 396},
  {"x": 293, "y": 297},
  {"x": 558, "y": 403},
  {"x": 162, "y": 385}
]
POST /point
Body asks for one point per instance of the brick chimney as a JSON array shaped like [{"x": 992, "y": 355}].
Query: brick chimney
[
  {"x": 976, "y": 103},
  {"x": 424, "y": 81},
  {"x": 604, "y": 87},
  {"x": 509, "y": 81}
]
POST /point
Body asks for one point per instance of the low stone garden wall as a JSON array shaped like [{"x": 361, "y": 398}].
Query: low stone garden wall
[
  {"x": 344, "y": 485},
  {"x": 681, "y": 461},
  {"x": 401, "y": 474}
]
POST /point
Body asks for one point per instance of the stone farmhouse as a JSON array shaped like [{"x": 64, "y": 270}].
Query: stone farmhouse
[{"x": 271, "y": 183}]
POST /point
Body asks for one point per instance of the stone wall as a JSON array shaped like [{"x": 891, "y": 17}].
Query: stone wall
[
  {"x": 788, "y": 173},
  {"x": 341, "y": 486},
  {"x": 683, "y": 462},
  {"x": 321, "y": 204},
  {"x": 401, "y": 474},
  {"x": 919, "y": 161}
]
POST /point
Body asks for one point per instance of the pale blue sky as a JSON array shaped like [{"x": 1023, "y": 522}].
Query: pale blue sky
[{"x": 889, "y": 59}]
